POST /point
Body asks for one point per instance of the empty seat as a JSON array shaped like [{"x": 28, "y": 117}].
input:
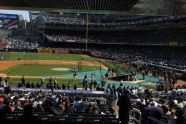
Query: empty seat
[
  {"x": 10, "y": 117},
  {"x": 65, "y": 115},
  {"x": 109, "y": 116},
  {"x": 93, "y": 115},
  {"x": 110, "y": 120},
  {"x": 19, "y": 115},
  {"x": 61, "y": 119},
  {"x": 77, "y": 119},
  {"x": 93, "y": 120},
  {"x": 78, "y": 115},
  {"x": 43, "y": 118}
]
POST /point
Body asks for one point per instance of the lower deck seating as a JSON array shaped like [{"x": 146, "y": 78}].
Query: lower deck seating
[{"x": 46, "y": 118}]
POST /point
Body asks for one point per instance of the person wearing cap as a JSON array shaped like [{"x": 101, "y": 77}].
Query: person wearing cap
[
  {"x": 1, "y": 103},
  {"x": 23, "y": 81},
  {"x": 7, "y": 109},
  {"x": 156, "y": 111},
  {"x": 28, "y": 114},
  {"x": 42, "y": 79}
]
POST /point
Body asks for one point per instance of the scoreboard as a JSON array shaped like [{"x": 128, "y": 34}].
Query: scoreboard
[{"x": 8, "y": 21}]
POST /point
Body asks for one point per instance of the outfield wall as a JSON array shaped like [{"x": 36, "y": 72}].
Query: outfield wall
[
  {"x": 20, "y": 50},
  {"x": 53, "y": 50}
]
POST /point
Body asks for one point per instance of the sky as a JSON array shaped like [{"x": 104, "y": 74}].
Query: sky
[{"x": 25, "y": 14}]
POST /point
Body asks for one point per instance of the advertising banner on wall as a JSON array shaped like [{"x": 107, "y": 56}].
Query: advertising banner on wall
[{"x": 8, "y": 21}]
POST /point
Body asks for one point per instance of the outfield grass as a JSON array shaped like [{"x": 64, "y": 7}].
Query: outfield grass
[
  {"x": 43, "y": 56},
  {"x": 39, "y": 70}
]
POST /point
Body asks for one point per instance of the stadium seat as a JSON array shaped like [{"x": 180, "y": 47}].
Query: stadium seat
[
  {"x": 12, "y": 117},
  {"x": 93, "y": 120},
  {"x": 111, "y": 120}
]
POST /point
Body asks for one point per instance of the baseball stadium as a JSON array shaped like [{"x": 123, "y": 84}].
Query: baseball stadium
[
  {"x": 93, "y": 61},
  {"x": 34, "y": 66}
]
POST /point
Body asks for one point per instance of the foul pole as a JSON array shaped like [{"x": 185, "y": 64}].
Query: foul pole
[{"x": 87, "y": 28}]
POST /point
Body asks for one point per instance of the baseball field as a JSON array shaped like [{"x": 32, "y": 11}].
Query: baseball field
[{"x": 35, "y": 65}]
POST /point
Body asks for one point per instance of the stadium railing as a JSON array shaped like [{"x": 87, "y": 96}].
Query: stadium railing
[
  {"x": 135, "y": 116},
  {"x": 151, "y": 120}
]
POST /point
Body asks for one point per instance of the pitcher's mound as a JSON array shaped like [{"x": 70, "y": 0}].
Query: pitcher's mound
[{"x": 60, "y": 69}]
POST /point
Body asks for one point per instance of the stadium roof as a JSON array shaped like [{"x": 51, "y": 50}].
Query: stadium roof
[
  {"x": 125, "y": 7},
  {"x": 82, "y": 5},
  {"x": 159, "y": 7}
]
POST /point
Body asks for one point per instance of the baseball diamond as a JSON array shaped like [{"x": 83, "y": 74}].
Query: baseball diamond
[{"x": 93, "y": 61}]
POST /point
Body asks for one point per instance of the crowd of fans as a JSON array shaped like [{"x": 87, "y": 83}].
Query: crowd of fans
[
  {"x": 167, "y": 106},
  {"x": 110, "y": 22},
  {"x": 59, "y": 18},
  {"x": 21, "y": 44},
  {"x": 134, "y": 37},
  {"x": 156, "y": 56},
  {"x": 65, "y": 38},
  {"x": 54, "y": 104},
  {"x": 169, "y": 109},
  {"x": 107, "y": 20}
]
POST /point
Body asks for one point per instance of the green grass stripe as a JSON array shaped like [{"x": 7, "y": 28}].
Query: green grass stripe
[
  {"x": 38, "y": 70},
  {"x": 43, "y": 56}
]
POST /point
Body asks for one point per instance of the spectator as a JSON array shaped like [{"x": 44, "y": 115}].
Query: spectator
[
  {"x": 63, "y": 86},
  {"x": 69, "y": 85},
  {"x": 155, "y": 111},
  {"x": 27, "y": 85},
  {"x": 23, "y": 81},
  {"x": 7, "y": 109},
  {"x": 124, "y": 107},
  {"x": 32, "y": 85},
  {"x": 75, "y": 87}
]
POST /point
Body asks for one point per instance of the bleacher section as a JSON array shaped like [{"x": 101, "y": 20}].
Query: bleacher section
[{"x": 136, "y": 29}]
